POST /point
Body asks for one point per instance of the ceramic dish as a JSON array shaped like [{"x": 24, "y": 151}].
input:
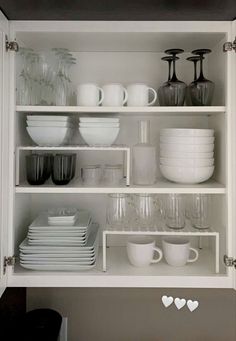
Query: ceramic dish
[
  {"x": 187, "y": 175},
  {"x": 187, "y": 140},
  {"x": 99, "y": 136},
  {"x": 187, "y": 162},
  {"x": 49, "y": 136},
  {"x": 187, "y": 132},
  {"x": 185, "y": 155},
  {"x": 190, "y": 148},
  {"x": 99, "y": 119}
]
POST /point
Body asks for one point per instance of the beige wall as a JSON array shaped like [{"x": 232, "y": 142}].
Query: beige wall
[{"x": 138, "y": 314}]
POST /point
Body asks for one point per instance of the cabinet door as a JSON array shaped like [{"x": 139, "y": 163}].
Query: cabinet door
[{"x": 4, "y": 104}]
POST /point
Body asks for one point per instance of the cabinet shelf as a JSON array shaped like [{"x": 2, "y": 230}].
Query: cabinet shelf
[
  {"x": 158, "y": 110},
  {"x": 161, "y": 187}
]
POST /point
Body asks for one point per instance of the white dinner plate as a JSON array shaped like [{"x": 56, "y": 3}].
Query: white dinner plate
[
  {"x": 58, "y": 267},
  {"x": 57, "y": 259}
]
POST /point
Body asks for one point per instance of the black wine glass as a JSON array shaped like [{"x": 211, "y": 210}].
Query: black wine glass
[
  {"x": 163, "y": 90},
  {"x": 202, "y": 89}
]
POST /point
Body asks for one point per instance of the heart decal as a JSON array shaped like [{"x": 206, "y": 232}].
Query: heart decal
[
  {"x": 167, "y": 301},
  {"x": 192, "y": 305},
  {"x": 180, "y": 302}
]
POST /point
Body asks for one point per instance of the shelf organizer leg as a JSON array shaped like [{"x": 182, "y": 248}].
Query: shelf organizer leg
[
  {"x": 104, "y": 251},
  {"x": 128, "y": 167},
  {"x": 17, "y": 167},
  {"x": 217, "y": 251}
]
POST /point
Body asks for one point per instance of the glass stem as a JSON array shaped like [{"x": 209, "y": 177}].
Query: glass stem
[
  {"x": 195, "y": 70},
  {"x": 174, "y": 78},
  {"x": 169, "y": 65},
  {"x": 201, "y": 68}
]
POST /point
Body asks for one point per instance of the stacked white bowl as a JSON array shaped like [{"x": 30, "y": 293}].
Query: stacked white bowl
[
  {"x": 99, "y": 131},
  {"x": 187, "y": 155},
  {"x": 50, "y": 130}
]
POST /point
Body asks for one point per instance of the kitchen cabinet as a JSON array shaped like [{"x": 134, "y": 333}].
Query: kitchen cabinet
[{"x": 123, "y": 52}]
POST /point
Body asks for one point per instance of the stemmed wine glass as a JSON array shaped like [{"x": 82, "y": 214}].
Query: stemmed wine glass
[
  {"x": 194, "y": 60},
  {"x": 163, "y": 91},
  {"x": 202, "y": 89}
]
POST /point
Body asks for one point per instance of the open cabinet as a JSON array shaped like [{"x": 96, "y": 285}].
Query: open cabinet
[{"x": 124, "y": 52}]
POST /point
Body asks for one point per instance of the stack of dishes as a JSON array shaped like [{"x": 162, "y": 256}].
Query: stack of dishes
[
  {"x": 187, "y": 155},
  {"x": 46, "y": 130},
  {"x": 57, "y": 242},
  {"x": 99, "y": 131}
]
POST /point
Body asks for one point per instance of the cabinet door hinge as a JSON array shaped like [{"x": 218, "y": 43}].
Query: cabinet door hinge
[
  {"x": 229, "y": 46},
  {"x": 8, "y": 261},
  {"x": 230, "y": 261},
  {"x": 11, "y": 45}
]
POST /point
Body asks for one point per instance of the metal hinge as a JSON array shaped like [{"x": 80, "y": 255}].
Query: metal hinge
[
  {"x": 229, "y": 46},
  {"x": 11, "y": 45},
  {"x": 8, "y": 261},
  {"x": 230, "y": 261}
]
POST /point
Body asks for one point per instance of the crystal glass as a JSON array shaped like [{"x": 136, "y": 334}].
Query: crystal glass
[
  {"x": 113, "y": 175},
  {"x": 202, "y": 89},
  {"x": 118, "y": 211},
  {"x": 23, "y": 83},
  {"x": 200, "y": 211},
  {"x": 164, "y": 91},
  {"x": 175, "y": 211},
  {"x": 36, "y": 169},
  {"x": 173, "y": 91},
  {"x": 146, "y": 211},
  {"x": 91, "y": 175},
  {"x": 62, "y": 169}
]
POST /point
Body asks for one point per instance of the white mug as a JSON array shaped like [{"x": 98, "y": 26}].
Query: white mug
[
  {"x": 177, "y": 251},
  {"x": 138, "y": 95},
  {"x": 115, "y": 95},
  {"x": 141, "y": 251},
  {"x": 89, "y": 95}
]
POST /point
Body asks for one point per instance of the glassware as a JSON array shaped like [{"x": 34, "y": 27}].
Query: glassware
[
  {"x": 146, "y": 210},
  {"x": 91, "y": 175},
  {"x": 174, "y": 90},
  {"x": 118, "y": 210},
  {"x": 175, "y": 211},
  {"x": 202, "y": 89},
  {"x": 48, "y": 165},
  {"x": 23, "y": 84},
  {"x": 62, "y": 169},
  {"x": 164, "y": 91},
  {"x": 113, "y": 175},
  {"x": 200, "y": 212},
  {"x": 144, "y": 157},
  {"x": 36, "y": 169}
]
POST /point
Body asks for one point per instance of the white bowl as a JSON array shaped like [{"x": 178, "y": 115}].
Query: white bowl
[
  {"x": 187, "y": 162},
  {"x": 187, "y": 175},
  {"x": 48, "y": 118},
  {"x": 49, "y": 136},
  {"x": 187, "y": 140},
  {"x": 99, "y": 136},
  {"x": 49, "y": 124},
  {"x": 185, "y": 155},
  {"x": 99, "y": 119},
  {"x": 196, "y": 148},
  {"x": 187, "y": 132},
  {"x": 99, "y": 125}
]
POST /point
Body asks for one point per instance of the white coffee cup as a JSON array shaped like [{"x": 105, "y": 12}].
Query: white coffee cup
[
  {"x": 141, "y": 251},
  {"x": 89, "y": 95},
  {"x": 177, "y": 250},
  {"x": 138, "y": 95},
  {"x": 115, "y": 95}
]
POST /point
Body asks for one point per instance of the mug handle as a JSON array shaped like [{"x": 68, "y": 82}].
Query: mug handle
[
  {"x": 158, "y": 250},
  {"x": 126, "y": 96},
  {"x": 102, "y": 96},
  {"x": 154, "y": 94},
  {"x": 191, "y": 260}
]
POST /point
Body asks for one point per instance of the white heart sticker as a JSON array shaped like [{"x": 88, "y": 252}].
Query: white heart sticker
[
  {"x": 192, "y": 305},
  {"x": 167, "y": 301},
  {"x": 180, "y": 302}
]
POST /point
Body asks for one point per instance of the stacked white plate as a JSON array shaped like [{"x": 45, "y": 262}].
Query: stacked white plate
[
  {"x": 187, "y": 155},
  {"x": 60, "y": 247},
  {"x": 99, "y": 131},
  {"x": 49, "y": 130}
]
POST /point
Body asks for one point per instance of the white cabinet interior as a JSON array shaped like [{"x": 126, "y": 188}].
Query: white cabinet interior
[{"x": 106, "y": 53}]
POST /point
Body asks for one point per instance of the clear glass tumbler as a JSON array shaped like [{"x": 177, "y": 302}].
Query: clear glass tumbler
[
  {"x": 200, "y": 212},
  {"x": 113, "y": 175},
  {"x": 118, "y": 210},
  {"x": 146, "y": 211},
  {"x": 91, "y": 175},
  {"x": 175, "y": 211}
]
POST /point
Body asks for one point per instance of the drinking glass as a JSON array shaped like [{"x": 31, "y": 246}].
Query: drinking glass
[
  {"x": 146, "y": 210},
  {"x": 202, "y": 89},
  {"x": 23, "y": 84},
  {"x": 48, "y": 165},
  {"x": 91, "y": 175},
  {"x": 62, "y": 169},
  {"x": 163, "y": 91},
  {"x": 113, "y": 175},
  {"x": 175, "y": 211},
  {"x": 36, "y": 169},
  {"x": 118, "y": 210},
  {"x": 200, "y": 212}
]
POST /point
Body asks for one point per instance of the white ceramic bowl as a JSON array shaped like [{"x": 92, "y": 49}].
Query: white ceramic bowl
[
  {"x": 49, "y": 124},
  {"x": 185, "y": 155},
  {"x": 186, "y": 140},
  {"x": 187, "y": 175},
  {"x": 49, "y": 136},
  {"x": 99, "y": 125},
  {"x": 99, "y": 136},
  {"x": 187, "y": 132},
  {"x": 187, "y": 162},
  {"x": 196, "y": 148},
  {"x": 48, "y": 118},
  {"x": 99, "y": 119}
]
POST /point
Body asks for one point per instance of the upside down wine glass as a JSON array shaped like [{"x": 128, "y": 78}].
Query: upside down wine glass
[{"x": 202, "y": 89}]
